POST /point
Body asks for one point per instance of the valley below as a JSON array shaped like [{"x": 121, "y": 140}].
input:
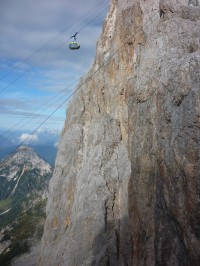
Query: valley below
[{"x": 24, "y": 178}]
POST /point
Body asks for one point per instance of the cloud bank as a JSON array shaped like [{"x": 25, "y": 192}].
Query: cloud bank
[
  {"x": 28, "y": 138},
  {"x": 34, "y": 46}
]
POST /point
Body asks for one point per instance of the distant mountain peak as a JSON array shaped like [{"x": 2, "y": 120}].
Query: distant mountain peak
[
  {"x": 23, "y": 157},
  {"x": 25, "y": 148},
  {"x": 24, "y": 178},
  {"x": 20, "y": 168},
  {"x": 28, "y": 151}
]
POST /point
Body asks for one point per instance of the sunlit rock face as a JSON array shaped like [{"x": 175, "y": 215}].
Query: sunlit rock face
[{"x": 125, "y": 189}]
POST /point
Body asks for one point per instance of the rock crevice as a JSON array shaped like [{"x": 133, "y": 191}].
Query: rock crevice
[{"x": 125, "y": 189}]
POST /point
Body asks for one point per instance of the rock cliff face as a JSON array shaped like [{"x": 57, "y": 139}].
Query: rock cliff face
[{"x": 126, "y": 187}]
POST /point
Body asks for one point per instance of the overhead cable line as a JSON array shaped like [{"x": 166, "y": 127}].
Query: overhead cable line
[
  {"x": 77, "y": 80},
  {"x": 35, "y": 64},
  {"x": 51, "y": 40},
  {"x": 32, "y": 118},
  {"x": 85, "y": 82},
  {"x": 89, "y": 78},
  {"x": 53, "y": 97},
  {"x": 79, "y": 87},
  {"x": 35, "y": 114}
]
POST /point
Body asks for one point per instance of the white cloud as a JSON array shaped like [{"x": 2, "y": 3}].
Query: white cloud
[
  {"x": 44, "y": 24},
  {"x": 34, "y": 48},
  {"x": 28, "y": 138},
  {"x": 56, "y": 144}
]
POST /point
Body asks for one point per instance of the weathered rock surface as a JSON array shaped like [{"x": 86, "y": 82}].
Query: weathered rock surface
[
  {"x": 126, "y": 187},
  {"x": 30, "y": 259}
]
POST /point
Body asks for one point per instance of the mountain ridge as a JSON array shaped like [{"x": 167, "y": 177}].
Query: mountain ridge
[
  {"x": 47, "y": 153},
  {"x": 24, "y": 178}
]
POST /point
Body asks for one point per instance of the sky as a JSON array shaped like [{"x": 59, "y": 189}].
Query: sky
[{"x": 37, "y": 69}]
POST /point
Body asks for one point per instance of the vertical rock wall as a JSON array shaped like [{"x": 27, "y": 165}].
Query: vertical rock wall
[
  {"x": 125, "y": 189},
  {"x": 164, "y": 135}
]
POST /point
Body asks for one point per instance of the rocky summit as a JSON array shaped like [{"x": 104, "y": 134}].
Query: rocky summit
[
  {"x": 24, "y": 178},
  {"x": 126, "y": 186}
]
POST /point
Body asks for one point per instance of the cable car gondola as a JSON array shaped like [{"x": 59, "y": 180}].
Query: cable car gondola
[{"x": 74, "y": 45}]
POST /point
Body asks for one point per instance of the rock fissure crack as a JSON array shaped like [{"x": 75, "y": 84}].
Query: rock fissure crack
[{"x": 137, "y": 187}]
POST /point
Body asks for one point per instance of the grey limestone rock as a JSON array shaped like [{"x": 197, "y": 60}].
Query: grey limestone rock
[{"x": 125, "y": 189}]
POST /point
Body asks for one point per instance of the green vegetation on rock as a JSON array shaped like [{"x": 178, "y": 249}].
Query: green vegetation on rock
[{"x": 24, "y": 177}]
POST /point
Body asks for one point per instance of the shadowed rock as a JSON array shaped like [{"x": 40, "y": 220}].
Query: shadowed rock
[{"x": 125, "y": 189}]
